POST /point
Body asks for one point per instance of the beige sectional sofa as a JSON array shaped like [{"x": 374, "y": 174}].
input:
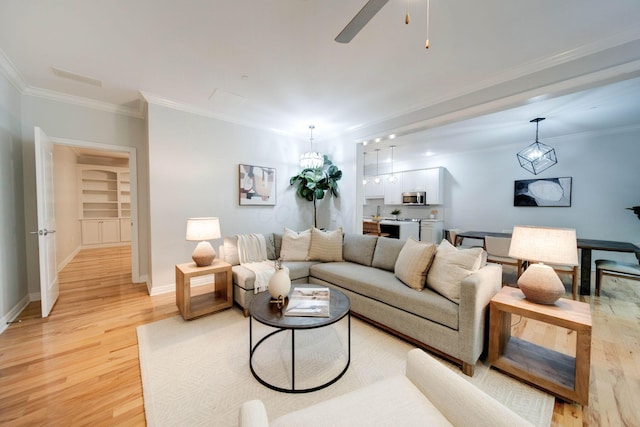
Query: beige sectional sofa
[
  {"x": 452, "y": 327},
  {"x": 429, "y": 394}
]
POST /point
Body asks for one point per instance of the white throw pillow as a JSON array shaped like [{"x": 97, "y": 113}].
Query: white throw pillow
[
  {"x": 450, "y": 266},
  {"x": 413, "y": 262},
  {"x": 295, "y": 246},
  {"x": 326, "y": 246}
]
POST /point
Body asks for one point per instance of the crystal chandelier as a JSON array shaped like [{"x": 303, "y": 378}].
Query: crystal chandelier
[{"x": 311, "y": 159}]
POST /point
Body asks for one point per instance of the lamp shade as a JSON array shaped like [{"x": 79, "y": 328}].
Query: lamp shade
[
  {"x": 199, "y": 229},
  {"x": 544, "y": 244},
  {"x": 540, "y": 283}
]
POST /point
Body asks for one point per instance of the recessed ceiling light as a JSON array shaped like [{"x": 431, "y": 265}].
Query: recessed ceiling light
[
  {"x": 365, "y": 143},
  {"x": 378, "y": 139},
  {"x": 392, "y": 136}
]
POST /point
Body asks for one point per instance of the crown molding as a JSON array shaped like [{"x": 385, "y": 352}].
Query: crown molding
[
  {"x": 85, "y": 102},
  {"x": 187, "y": 108},
  {"x": 11, "y": 72}
]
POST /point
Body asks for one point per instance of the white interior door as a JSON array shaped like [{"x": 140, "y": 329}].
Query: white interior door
[{"x": 49, "y": 287}]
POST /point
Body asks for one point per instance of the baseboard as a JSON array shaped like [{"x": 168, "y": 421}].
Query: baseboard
[
  {"x": 171, "y": 287},
  {"x": 68, "y": 259},
  {"x": 14, "y": 313}
]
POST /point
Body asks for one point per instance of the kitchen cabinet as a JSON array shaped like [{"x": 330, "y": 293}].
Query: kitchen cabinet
[
  {"x": 100, "y": 231},
  {"x": 393, "y": 190},
  {"x": 414, "y": 181},
  {"x": 435, "y": 186},
  {"x": 431, "y": 231}
]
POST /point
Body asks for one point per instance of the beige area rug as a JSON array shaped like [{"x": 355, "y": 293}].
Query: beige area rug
[{"x": 196, "y": 373}]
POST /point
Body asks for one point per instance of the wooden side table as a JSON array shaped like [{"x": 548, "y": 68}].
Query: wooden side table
[
  {"x": 199, "y": 305},
  {"x": 561, "y": 375}
]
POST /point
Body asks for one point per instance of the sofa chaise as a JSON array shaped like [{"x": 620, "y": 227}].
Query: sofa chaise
[{"x": 367, "y": 273}]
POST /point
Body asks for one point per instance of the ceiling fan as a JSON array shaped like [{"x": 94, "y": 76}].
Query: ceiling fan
[{"x": 358, "y": 22}]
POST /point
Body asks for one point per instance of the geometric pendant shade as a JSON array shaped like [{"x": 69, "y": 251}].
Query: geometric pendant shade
[{"x": 537, "y": 157}]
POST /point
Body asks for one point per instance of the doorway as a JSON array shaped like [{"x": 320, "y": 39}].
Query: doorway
[{"x": 96, "y": 199}]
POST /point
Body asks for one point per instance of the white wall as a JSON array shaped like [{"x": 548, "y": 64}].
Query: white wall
[
  {"x": 606, "y": 177},
  {"x": 13, "y": 270},
  {"x": 66, "y": 121},
  {"x": 194, "y": 172},
  {"x": 66, "y": 202}
]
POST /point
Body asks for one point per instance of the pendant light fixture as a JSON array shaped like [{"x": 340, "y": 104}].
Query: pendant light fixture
[
  {"x": 377, "y": 179},
  {"x": 537, "y": 157},
  {"x": 364, "y": 168},
  {"x": 392, "y": 178},
  {"x": 311, "y": 159}
]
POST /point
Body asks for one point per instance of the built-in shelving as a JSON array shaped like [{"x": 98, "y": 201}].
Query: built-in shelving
[{"x": 105, "y": 203}]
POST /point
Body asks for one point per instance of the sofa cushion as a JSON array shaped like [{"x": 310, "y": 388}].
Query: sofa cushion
[
  {"x": 383, "y": 286},
  {"x": 326, "y": 246},
  {"x": 370, "y": 405},
  {"x": 450, "y": 266},
  {"x": 295, "y": 246},
  {"x": 359, "y": 248},
  {"x": 413, "y": 262},
  {"x": 386, "y": 253},
  {"x": 277, "y": 245}
]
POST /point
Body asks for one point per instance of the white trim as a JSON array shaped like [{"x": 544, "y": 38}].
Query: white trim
[
  {"x": 14, "y": 313},
  {"x": 195, "y": 282},
  {"x": 11, "y": 72},
  {"x": 85, "y": 102},
  {"x": 187, "y": 108},
  {"x": 68, "y": 259}
]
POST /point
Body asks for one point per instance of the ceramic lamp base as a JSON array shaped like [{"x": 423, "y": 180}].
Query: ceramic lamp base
[
  {"x": 204, "y": 254},
  {"x": 540, "y": 284}
]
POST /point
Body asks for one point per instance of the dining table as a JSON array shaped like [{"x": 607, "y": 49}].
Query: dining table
[{"x": 586, "y": 247}]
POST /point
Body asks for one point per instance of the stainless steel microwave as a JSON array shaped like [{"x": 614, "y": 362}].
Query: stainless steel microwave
[{"x": 414, "y": 198}]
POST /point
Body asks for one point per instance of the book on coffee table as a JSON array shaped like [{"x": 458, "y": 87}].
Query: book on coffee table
[{"x": 309, "y": 302}]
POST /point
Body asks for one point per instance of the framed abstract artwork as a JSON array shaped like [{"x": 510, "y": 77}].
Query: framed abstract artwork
[
  {"x": 544, "y": 192},
  {"x": 257, "y": 186}
]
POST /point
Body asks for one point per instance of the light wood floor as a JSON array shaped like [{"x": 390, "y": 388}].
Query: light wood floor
[{"x": 80, "y": 365}]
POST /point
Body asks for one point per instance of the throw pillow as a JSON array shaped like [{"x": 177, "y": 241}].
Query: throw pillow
[
  {"x": 325, "y": 246},
  {"x": 359, "y": 248},
  {"x": 295, "y": 246},
  {"x": 413, "y": 262},
  {"x": 386, "y": 253},
  {"x": 450, "y": 266}
]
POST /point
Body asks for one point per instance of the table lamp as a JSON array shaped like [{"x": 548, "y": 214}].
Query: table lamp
[
  {"x": 201, "y": 230},
  {"x": 539, "y": 282}
]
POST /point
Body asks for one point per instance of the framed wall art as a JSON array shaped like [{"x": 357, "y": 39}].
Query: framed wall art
[
  {"x": 543, "y": 192},
  {"x": 257, "y": 186}
]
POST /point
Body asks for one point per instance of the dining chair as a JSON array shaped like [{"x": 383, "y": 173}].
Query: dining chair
[
  {"x": 616, "y": 269},
  {"x": 498, "y": 251},
  {"x": 372, "y": 228},
  {"x": 452, "y": 237}
]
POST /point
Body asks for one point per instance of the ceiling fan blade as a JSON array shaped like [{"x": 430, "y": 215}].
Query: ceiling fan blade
[{"x": 360, "y": 20}]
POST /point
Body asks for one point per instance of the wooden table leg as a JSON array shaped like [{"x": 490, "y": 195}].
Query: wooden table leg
[{"x": 585, "y": 272}]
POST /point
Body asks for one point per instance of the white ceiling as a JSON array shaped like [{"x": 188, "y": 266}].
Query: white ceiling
[{"x": 275, "y": 65}]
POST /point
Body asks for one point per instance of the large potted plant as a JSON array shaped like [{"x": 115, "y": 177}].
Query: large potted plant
[{"x": 314, "y": 183}]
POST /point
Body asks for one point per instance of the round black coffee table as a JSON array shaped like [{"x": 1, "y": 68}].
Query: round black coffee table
[{"x": 268, "y": 314}]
